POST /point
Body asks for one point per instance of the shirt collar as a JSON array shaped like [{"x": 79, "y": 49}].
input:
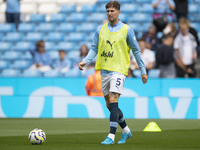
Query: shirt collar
[{"x": 119, "y": 22}]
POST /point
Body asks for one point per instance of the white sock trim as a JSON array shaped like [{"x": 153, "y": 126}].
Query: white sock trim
[
  {"x": 112, "y": 136},
  {"x": 126, "y": 129}
]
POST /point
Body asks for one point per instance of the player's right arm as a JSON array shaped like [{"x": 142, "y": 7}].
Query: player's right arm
[{"x": 93, "y": 50}]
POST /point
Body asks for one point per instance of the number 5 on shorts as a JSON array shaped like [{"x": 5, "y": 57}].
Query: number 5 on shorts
[{"x": 118, "y": 82}]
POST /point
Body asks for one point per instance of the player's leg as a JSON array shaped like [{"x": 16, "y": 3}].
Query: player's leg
[
  {"x": 112, "y": 105},
  {"x": 116, "y": 85},
  {"x": 121, "y": 120}
]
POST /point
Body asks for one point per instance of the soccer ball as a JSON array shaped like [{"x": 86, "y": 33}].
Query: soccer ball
[{"x": 37, "y": 136}]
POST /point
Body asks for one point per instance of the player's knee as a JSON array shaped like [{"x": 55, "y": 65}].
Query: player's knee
[{"x": 113, "y": 97}]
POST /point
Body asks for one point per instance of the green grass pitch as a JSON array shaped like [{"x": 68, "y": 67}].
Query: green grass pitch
[{"x": 87, "y": 134}]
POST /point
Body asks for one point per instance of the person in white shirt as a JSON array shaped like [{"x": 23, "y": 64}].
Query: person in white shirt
[
  {"x": 147, "y": 56},
  {"x": 185, "y": 47}
]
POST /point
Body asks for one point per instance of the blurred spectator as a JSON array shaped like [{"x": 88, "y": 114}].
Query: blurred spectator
[
  {"x": 170, "y": 29},
  {"x": 150, "y": 38},
  {"x": 130, "y": 71},
  {"x": 192, "y": 31},
  {"x": 41, "y": 59},
  {"x": 83, "y": 54},
  {"x": 185, "y": 47},
  {"x": 163, "y": 13},
  {"x": 147, "y": 56},
  {"x": 63, "y": 63},
  {"x": 181, "y": 9},
  {"x": 89, "y": 69},
  {"x": 93, "y": 84},
  {"x": 13, "y": 11},
  {"x": 165, "y": 57}
]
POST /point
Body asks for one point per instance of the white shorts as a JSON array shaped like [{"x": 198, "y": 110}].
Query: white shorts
[{"x": 112, "y": 83}]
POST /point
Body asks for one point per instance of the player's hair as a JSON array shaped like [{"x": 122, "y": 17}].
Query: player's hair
[{"x": 114, "y": 4}]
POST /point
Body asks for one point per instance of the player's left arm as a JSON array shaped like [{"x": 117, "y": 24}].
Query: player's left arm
[{"x": 133, "y": 44}]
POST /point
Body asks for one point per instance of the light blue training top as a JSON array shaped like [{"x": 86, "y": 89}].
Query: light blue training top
[
  {"x": 12, "y": 6},
  {"x": 131, "y": 42}
]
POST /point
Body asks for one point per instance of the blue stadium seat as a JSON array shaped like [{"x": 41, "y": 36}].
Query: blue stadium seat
[
  {"x": 125, "y": 1},
  {"x": 193, "y": 8},
  {"x": 31, "y": 73},
  {"x": 49, "y": 46},
  {"x": 73, "y": 54},
  {"x": 102, "y": 1},
  {"x": 124, "y": 17},
  {"x": 66, "y": 27},
  {"x": 1, "y": 36},
  {"x": 190, "y": 1},
  {"x": 199, "y": 34},
  {"x": 77, "y": 17},
  {"x": 13, "y": 37},
  {"x": 142, "y": 1},
  {"x": 5, "y": 46},
  {"x": 26, "y": 56},
  {"x": 101, "y": 8},
  {"x": 4, "y": 64},
  {"x": 146, "y": 8},
  {"x": 194, "y": 17},
  {"x": 135, "y": 26},
  {"x": 87, "y": 27},
  {"x": 141, "y": 17},
  {"x": 197, "y": 1},
  {"x": 26, "y": 27},
  {"x": 96, "y": 17},
  {"x": 56, "y": 18},
  {"x": 86, "y": 8},
  {"x": 11, "y": 55},
  {"x": 23, "y": 46},
  {"x": 154, "y": 73},
  {"x": 127, "y": 8},
  {"x": 52, "y": 73},
  {"x": 145, "y": 26},
  {"x": 21, "y": 64},
  {"x": 195, "y": 25},
  {"x": 7, "y": 28},
  {"x": 137, "y": 73},
  {"x": 68, "y": 8},
  {"x": 10, "y": 73},
  {"x": 90, "y": 37},
  {"x": 88, "y": 72},
  {"x": 75, "y": 37},
  {"x": 37, "y": 18},
  {"x": 64, "y": 46},
  {"x": 33, "y": 37},
  {"x": 54, "y": 55},
  {"x": 46, "y": 27},
  {"x": 75, "y": 72},
  {"x": 54, "y": 36}
]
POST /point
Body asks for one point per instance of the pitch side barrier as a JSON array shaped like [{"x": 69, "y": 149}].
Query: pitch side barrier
[{"x": 66, "y": 98}]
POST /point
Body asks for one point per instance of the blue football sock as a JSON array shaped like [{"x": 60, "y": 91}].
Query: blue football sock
[
  {"x": 114, "y": 117},
  {"x": 121, "y": 121}
]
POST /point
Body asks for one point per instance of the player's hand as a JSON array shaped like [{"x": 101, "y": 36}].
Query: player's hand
[
  {"x": 144, "y": 78},
  {"x": 81, "y": 65}
]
